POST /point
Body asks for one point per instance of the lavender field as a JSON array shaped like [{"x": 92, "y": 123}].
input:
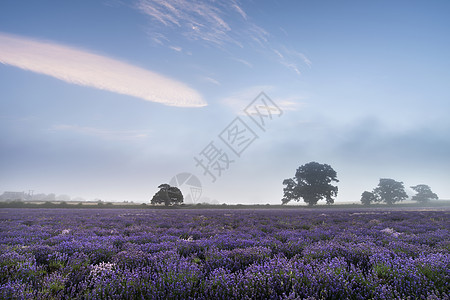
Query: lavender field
[{"x": 224, "y": 254}]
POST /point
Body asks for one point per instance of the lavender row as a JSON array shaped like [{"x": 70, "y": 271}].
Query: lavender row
[{"x": 224, "y": 254}]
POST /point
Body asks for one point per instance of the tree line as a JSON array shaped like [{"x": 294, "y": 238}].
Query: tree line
[{"x": 314, "y": 181}]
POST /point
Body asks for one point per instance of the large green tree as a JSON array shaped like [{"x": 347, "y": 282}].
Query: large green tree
[
  {"x": 367, "y": 198},
  {"x": 424, "y": 193},
  {"x": 168, "y": 195},
  {"x": 390, "y": 191},
  {"x": 312, "y": 182}
]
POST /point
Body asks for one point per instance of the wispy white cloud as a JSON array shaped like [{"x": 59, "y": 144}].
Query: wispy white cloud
[
  {"x": 217, "y": 23},
  {"x": 291, "y": 66},
  {"x": 298, "y": 55},
  {"x": 104, "y": 134},
  {"x": 292, "y": 59},
  {"x": 278, "y": 53},
  {"x": 158, "y": 38},
  {"x": 290, "y": 103},
  {"x": 207, "y": 21},
  {"x": 195, "y": 20},
  {"x": 211, "y": 80},
  {"x": 243, "y": 61},
  {"x": 87, "y": 69},
  {"x": 176, "y": 48},
  {"x": 239, "y": 10}
]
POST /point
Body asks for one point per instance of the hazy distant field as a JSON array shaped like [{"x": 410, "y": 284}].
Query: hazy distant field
[{"x": 224, "y": 254}]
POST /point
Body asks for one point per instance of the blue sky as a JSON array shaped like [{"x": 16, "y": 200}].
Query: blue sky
[{"x": 108, "y": 99}]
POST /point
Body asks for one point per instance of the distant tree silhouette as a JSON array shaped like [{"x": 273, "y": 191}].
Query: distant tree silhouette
[
  {"x": 312, "y": 182},
  {"x": 424, "y": 193},
  {"x": 50, "y": 197},
  {"x": 390, "y": 191},
  {"x": 168, "y": 195},
  {"x": 368, "y": 198}
]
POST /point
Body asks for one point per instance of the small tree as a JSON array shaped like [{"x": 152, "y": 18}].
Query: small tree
[
  {"x": 424, "y": 193},
  {"x": 390, "y": 191},
  {"x": 168, "y": 195},
  {"x": 312, "y": 182},
  {"x": 367, "y": 198}
]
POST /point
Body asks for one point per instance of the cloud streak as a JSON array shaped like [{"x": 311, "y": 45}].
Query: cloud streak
[
  {"x": 104, "y": 134},
  {"x": 87, "y": 69},
  {"x": 292, "y": 59},
  {"x": 216, "y": 23},
  {"x": 206, "y": 21}
]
